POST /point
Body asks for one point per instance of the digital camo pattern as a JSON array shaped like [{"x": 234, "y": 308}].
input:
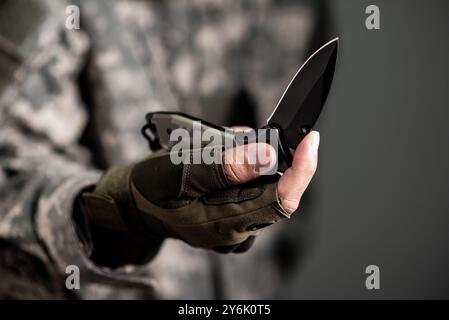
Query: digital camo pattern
[{"x": 72, "y": 104}]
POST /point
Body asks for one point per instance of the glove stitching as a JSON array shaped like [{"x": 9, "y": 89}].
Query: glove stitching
[
  {"x": 185, "y": 182},
  {"x": 229, "y": 217}
]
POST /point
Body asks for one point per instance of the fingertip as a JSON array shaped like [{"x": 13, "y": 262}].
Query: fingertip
[
  {"x": 265, "y": 158},
  {"x": 247, "y": 162}
]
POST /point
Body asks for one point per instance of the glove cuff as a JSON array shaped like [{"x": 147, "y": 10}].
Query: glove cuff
[
  {"x": 102, "y": 210},
  {"x": 112, "y": 207}
]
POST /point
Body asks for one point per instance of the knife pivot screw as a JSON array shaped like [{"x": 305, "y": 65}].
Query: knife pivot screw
[{"x": 303, "y": 130}]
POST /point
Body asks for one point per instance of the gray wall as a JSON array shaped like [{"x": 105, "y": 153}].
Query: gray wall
[{"x": 381, "y": 195}]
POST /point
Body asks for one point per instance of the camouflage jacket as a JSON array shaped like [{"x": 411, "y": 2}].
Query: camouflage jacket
[{"x": 72, "y": 103}]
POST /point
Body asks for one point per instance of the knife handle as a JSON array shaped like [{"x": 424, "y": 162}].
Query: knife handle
[{"x": 160, "y": 126}]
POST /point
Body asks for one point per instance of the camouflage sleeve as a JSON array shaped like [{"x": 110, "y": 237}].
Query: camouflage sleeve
[
  {"x": 42, "y": 166},
  {"x": 41, "y": 120}
]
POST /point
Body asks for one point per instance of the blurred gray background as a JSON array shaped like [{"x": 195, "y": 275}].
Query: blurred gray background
[{"x": 381, "y": 194}]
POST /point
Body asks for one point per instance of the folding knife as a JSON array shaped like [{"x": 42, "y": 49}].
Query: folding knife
[{"x": 293, "y": 117}]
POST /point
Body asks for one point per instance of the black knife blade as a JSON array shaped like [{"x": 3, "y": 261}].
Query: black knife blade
[
  {"x": 293, "y": 117},
  {"x": 300, "y": 106}
]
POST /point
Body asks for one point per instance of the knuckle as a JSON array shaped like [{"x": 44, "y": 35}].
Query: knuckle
[
  {"x": 230, "y": 173},
  {"x": 237, "y": 173}
]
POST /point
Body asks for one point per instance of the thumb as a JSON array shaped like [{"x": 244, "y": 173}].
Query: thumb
[
  {"x": 247, "y": 162},
  {"x": 295, "y": 180}
]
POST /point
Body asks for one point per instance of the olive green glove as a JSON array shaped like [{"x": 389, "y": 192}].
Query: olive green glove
[{"x": 192, "y": 202}]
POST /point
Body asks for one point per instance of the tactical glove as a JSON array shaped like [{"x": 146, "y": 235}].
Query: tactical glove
[{"x": 192, "y": 202}]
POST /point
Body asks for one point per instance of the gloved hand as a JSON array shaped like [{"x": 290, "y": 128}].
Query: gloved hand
[{"x": 217, "y": 206}]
